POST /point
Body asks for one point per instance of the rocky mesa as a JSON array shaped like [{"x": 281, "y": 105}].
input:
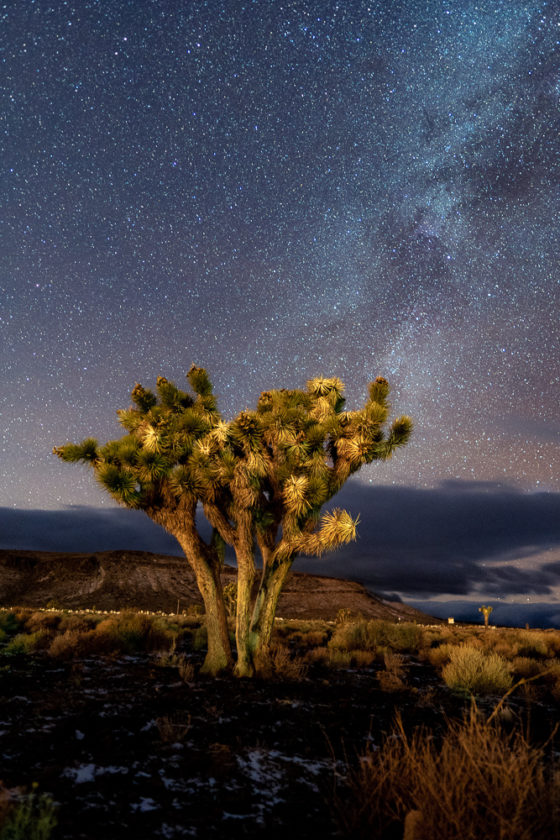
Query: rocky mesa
[{"x": 113, "y": 580}]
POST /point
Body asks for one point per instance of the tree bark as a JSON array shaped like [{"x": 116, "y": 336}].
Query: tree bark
[
  {"x": 264, "y": 612},
  {"x": 244, "y": 550},
  {"x": 218, "y": 657}
]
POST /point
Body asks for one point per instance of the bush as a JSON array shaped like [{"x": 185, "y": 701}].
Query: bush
[
  {"x": 392, "y": 677},
  {"x": 126, "y": 633},
  {"x": 524, "y": 667},
  {"x": 32, "y": 817},
  {"x": 476, "y": 782},
  {"x": 279, "y": 664},
  {"x": 371, "y": 635},
  {"x": 439, "y": 656},
  {"x": 66, "y": 645},
  {"x": 131, "y": 632},
  {"x": 10, "y": 623},
  {"x": 471, "y": 670},
  {"x": 357, "y": 635},
  {"x": 24, "y": 643}
]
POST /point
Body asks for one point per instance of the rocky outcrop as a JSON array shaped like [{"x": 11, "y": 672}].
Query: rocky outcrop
[{"x": 136, "y": 579}]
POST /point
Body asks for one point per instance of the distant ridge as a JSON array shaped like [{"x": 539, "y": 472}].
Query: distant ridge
[{"x": 109, "y": 580}]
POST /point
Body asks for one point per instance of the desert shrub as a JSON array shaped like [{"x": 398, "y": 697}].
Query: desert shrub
[
  {"x": 357, "y": 635},
  {"x": 174, "y": 728},
  {"x": 370, "y": 635},
  {"x": 533, "y": 644},
  {"x": 317, "y": 654},
  {"x": 66, "y": 645},
  {"x": 10, "y": 623},
  {"x": 313, "y": 638},
  {"x": 344, "y": 616},
  {"x": 172, "y": 659},
  {"x": 125, "y": 633},
  {"x": 31, "y": 816},
  {"x": 42, "y": 621},
  {"x": 439, "y": 656},
  {"x": 472, "y": 670},
  {"x": 476, "y": 782},
  {"x": 339, "y": 658},
  {"x": 503, "y": 643},
  {"x": 279, "y": 664},
  {"x": 435, "y": 636},
  {"x": 80, "y": 623},
  {"x": 405, "y": 637},
  {"x": 362, "y": 658},
  {"x": 131, "y": 632},
  {"x": 524, "y": 667},
  {"x": 392, "y": 677},
  {"x": 25, "y": 643}
]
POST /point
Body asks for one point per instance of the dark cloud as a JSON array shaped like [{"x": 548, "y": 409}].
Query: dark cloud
[
  {"x": 455, "y": 539},
  {"x": 78, "y": 529}
]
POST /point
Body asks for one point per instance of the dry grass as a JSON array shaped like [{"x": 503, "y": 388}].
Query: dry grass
[
  {"x": 125, "y": 633},
  {"x": 174, "y": 728},
  {"x": 472, "y": 670},
  {"x": 392, "y": 677},
  {"x": 477, "y": 782},
  {"x": 279, "y": 664}
]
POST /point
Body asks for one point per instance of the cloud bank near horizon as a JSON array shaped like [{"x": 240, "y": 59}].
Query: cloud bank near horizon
[{"x": 458, "y": 539}]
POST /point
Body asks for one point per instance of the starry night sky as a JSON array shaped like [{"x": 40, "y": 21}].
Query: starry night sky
[{"x": 276, "y": 189}]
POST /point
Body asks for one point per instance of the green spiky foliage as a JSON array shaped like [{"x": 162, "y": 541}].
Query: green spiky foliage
[{"x": 262, "y": 480}]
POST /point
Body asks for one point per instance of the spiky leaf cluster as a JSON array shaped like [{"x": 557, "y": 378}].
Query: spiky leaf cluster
[{"x": 278, "y": 464}]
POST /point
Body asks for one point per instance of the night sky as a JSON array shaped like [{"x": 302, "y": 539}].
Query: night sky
[{"x": 276, "y": 190}]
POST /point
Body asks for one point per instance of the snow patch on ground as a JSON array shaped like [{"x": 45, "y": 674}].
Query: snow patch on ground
[{"x": 88, "y": 772}]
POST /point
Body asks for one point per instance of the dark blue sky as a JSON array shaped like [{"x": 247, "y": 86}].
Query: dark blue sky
[{"x": 276, "y": 190}]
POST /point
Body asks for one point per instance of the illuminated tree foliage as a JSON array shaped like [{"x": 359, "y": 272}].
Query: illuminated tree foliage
[
  {"x": 486, "y": 613},
  {"x": 261, "y": 480}
]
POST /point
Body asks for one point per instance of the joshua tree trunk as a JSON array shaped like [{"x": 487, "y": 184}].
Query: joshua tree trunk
[
  {"x": 245, "y": 580},
  {"x": 244, "y": 551},
  {"x": 262, "y": 623},
  {"x": 207, "y": 573}
]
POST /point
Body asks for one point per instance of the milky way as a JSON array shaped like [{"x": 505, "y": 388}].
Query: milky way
[{"x": 276, "y": 190}]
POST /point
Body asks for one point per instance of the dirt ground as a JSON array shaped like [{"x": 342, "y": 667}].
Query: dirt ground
[{"x": 127, "y": 749}]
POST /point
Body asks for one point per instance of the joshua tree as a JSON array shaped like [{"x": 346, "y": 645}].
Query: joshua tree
[
  {"x": 486, "y": 613},
  {"x": 261, "y": 480}
]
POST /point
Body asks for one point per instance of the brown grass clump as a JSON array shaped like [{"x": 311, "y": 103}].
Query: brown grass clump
[
  {"x": 42, "y": 621},
  {"x": 174, "y": 728},
  {"x": 125, "y": 633},
  {"x": 314, "y": 638},
  {"x": 363, "y": 658},
  {"x": 279, "y": 664},
  {"x": 65, "y": 646},
  {"x": 474, "y": 671},
  {"x": 25, "y": 643},
  {"x": 438, "y": 656},
  {"x": 392, "y": 677},
  {"x": 524, "y": 666},
  {"x": 404, "y": 637},
  {"x": 317, "y": 654},
  {"x": 478, "y": 782}
]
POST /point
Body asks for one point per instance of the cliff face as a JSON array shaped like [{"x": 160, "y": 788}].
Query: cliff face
[{"x": 110, "y": 580}]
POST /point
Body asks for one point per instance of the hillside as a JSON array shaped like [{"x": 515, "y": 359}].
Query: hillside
[{"x": 110, "y": 580}]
